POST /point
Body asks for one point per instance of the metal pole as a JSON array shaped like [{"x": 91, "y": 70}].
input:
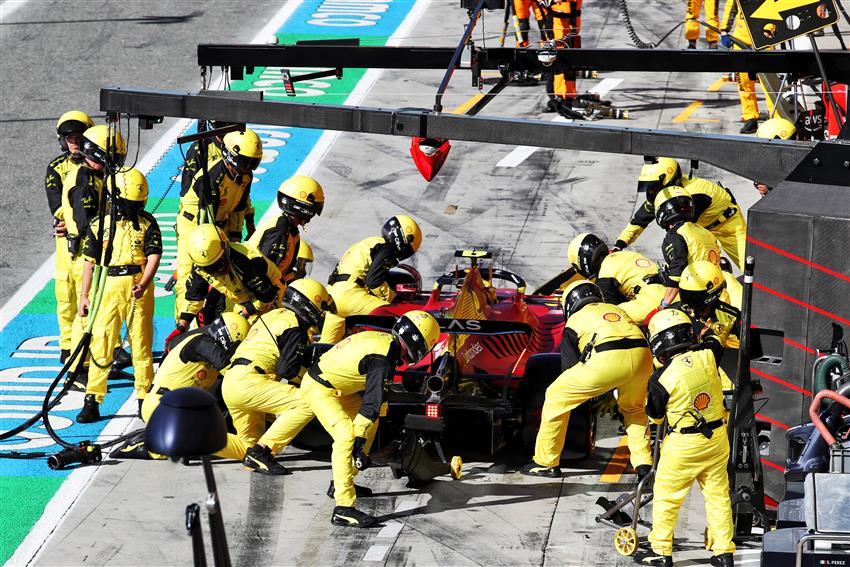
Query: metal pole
[
  {"x": 221, "y": 554},
  {"x": 470, "y": 27},
  {"x": 193, "y": 525},
  {"x": 835, "y": 109}
]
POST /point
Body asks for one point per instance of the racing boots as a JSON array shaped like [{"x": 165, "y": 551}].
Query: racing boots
[
  {"x": 360, "y": 491},
  {"x": 723, "y": 560},
  {"x": 649, "y": 557},
  {"x": 750, "y": 126},
  {"x": 352, "y": 517},
  {"x": 91, "y": 410},
  {"x": 533, "y": 469},
  {"x": 260, "y": 459}
]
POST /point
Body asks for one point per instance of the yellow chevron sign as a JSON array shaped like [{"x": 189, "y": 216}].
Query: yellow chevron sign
[{"x": 771, "y": 9}]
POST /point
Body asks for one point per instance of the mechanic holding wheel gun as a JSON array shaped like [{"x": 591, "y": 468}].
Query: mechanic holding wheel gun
[
  {"x": 687, "y": 390},
  {"x": 601, "y": 349},
  {"x": 345, "y": 389},
  {"x": 358, "y": 284},
  {"x": 127, "y": 296}
]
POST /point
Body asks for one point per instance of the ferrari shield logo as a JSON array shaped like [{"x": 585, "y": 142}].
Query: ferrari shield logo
[{"x": 688, "y": 361}]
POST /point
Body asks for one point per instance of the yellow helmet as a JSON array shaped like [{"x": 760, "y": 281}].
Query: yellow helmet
[
  {"x": 305, "y": 251},
  {"x": 97, "y": 145},
  {"x": 243, "y": 151},
  {"x": 301, "y": 195},
  {"x": 670, "y": 332},
  {"x": 404, "y": 234},
  {"x": 419, "y": 332},
  {"x": 309, "y": 300},
  {"x": 656, "y": 174},
  {"x": 72, "y": 122},
  {"x": 701, "y": 285},
  {"x": 228, "y": 329},
  {"x": 776, "y": 127},
  {"x": 672, "y": 205},
  {"x": 586, "y": 253},
  {"x": 577, "y": 295},
  {"x": 208, "y": 248},
  {"x": 132, "y": 185}
]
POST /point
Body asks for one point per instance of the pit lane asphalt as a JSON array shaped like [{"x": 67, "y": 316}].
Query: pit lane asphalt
[{"x": 132, "y": 513}]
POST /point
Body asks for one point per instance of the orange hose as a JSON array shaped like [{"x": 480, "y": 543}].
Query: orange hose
[{"x": 815, "y": 406}]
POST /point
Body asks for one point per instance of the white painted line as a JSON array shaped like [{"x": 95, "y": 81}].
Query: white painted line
[
  {"x": 747, "y": 551},
  {"x": 742, "y": 561},
  {"x": 406, "y": 506},
  {"x": 605, "y": 86},
  {"x": 35, "y": 355},
  {"x": 376, "y": 553},
  {"x": 521, "y": 153},
  {"x": 9, "y": 7},
  {"x": 391, "y": 530}
]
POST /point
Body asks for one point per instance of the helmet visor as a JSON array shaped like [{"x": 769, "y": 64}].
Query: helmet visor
[
  {"x": 242, "y": 164},
  {"x": 412, "y": 339}
]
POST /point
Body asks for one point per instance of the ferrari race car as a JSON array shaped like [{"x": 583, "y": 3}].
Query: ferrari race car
[{"x": 484, "y": 383}]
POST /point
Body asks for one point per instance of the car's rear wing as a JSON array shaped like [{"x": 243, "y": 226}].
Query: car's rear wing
[{"x": 447, "y": 325}]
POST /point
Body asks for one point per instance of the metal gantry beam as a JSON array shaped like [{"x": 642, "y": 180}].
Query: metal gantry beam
[
  {"x": 803, "y": 63},
  {"x": 770, "y": 161}
]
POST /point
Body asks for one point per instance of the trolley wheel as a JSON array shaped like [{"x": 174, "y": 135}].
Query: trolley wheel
[
  {"x": 708, "y": 539},
  {"x": 626, "y": 541},
  {"x": 456, "y": 467}
]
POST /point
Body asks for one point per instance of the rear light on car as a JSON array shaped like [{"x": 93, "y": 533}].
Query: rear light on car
[{"x": 432, "y": 411}]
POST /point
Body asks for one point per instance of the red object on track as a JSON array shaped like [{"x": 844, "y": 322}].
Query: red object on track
[{"x": 429, "y": 155}]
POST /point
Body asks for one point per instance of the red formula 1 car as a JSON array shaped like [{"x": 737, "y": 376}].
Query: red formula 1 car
[{"x": 485, "y": 381}]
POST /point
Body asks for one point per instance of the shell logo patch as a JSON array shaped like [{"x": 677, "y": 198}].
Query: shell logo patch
[
  {"x": 701, "y": 401},
  {"x": 643, "y": 263},
  {"x": 318, "y": 299},
  {"x": 688, "y": 361},
  {"x": 714, "y": 257},
  {"x": 201, "y": 375},
  {"x": 233, "y": 327},
  {"x": 611, "y": 317},
  {"x": 253, "y": 332},
  {"x": 302, "y": 194}
]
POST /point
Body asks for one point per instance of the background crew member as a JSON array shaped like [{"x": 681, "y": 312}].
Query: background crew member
[
  {"x": 601, "y": 349},
  {"x": 715, "y": 208},
  {"x": 358, "y": 284},
  {"x": 345, "y": 390},
  {"x": 685, "y": 242},
  {"x": 692, "y": 24},
  {"x": 252, "y": 387},
  {"x": 566, "y": 30},
  {"x": 523, "y": 10},
  {"x": 622, "y": 276},
  {"x": 80, "y": 201},
  {"x": 127, "y": 296},
  {"x": 195, "y": 359},
  {"x": 300, "y": 198},
  {"x": 249, "y": 282},
  {"x": 686, "y": 390},
  {"x": 227, "y": 201},
  {"x": 746, "y": 82},
  {"x": 69, "y": 131}
]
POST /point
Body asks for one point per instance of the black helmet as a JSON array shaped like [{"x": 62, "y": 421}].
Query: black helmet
[
  {"x": 309, "y": 300},
  {"x": 673, "y": 205},
  {"x": 403, "y": 234},
  {"x": 577, "y": 295},
  {"x": 585, "y": 253},
  {"x": 670, "y": 332}
]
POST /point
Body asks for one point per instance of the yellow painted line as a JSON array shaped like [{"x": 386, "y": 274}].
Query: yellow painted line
[
  {"x": 618, "y": 463},
  {"x": 685, "y": 114},
  {"x": 468, "y": 104},
  {"x": 716, "y": 85},
  {"x": 703, "y": 120}
]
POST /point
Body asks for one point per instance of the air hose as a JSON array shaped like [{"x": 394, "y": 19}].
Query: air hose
[
  {"x": 630, "y": 29},
  {"x": 826, "y": 366}
]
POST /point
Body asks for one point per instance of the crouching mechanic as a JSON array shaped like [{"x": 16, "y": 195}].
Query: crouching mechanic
[
  {"x": 260, "y": 380},
  {"x": 715, "y": 208},
  {"x": 345, "y": 390},
  {"x": 195, "y": 360},
  {"x": 601, "y": 349},
  {"x": 300, "y": 198},
  {"x": 685, "y": 241},
  {"x": 249, "y": 282},
  {"x": 622, "y": 276},
  {"x": 713, "y": 298},
  {"x": 687, "y": 390},
  {"x": 358, "y": 284},
  {"x": 127, "y": 296}
]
